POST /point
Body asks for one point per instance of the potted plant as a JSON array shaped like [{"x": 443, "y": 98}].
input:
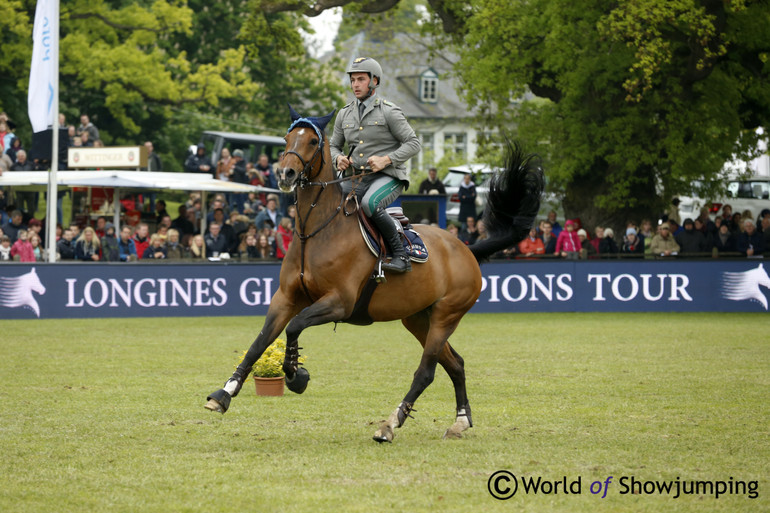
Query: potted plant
[{"x": 268, "y": 370}]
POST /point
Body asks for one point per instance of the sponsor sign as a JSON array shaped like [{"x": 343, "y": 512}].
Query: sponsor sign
[
  {"x": 57, "y": 291},
  {"x": 115, "y": 157}
]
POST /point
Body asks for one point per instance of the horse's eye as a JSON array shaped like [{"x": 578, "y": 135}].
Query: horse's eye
[{"x": 313, "y": 142}]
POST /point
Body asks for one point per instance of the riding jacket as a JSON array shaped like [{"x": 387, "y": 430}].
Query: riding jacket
[{"x": 383, "y": 130}]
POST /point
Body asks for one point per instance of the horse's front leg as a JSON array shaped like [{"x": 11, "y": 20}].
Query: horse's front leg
[
  {"x": 327, "y": 309},
  {"x": 278, "y": 315}
]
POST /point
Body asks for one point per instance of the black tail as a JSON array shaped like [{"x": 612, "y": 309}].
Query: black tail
[{"x": 512, "y": 204}]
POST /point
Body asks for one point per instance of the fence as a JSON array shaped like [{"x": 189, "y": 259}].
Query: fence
[{"x": 56, "y": 291}]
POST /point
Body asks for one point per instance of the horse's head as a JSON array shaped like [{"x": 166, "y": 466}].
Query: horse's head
[
  {"x": 762, "y": 276},
  {"x": 306, "y": 151},
  {"x": 33, "y": 282}
]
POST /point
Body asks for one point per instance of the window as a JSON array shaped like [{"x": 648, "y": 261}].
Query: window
[
  {"x": 456, "y": 143},
  {"x": 429, "y": 86},
  {"x": 425, "y": 158}
]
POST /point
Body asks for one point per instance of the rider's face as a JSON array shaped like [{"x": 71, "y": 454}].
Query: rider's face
[{"x": 359, "y": 82}]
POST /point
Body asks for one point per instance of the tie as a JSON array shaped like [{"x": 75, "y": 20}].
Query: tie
[{"x": 361, "y": 109}]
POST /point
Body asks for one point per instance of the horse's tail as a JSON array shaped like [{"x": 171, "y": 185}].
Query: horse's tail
[{"x": 512, "y": 203}]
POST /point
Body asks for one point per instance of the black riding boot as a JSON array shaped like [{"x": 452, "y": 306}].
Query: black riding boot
[{"x": 400, "y": 262}]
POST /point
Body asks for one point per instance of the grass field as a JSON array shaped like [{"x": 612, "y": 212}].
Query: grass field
[{"x": 108, "y": 415}]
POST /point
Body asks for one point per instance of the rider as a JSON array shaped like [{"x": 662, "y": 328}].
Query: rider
[{"x": 381, "y": 140}]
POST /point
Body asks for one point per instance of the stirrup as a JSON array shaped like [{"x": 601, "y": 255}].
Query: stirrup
[{"x": 380, "y": 276}]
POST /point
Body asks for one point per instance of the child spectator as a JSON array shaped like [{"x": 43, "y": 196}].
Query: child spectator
[
  {"x": 22, "y": 250},
  {"x": 568, "y": 242},
  {"x": 5, "y": 248}
]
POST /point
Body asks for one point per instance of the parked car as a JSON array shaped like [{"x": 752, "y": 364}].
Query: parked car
[
  {"x": 252, "y": 145},
  {"x": 481, "y": 174},
  {"x": 742, "y": 194}
]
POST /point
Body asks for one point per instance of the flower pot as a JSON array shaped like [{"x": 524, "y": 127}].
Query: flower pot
[{"x": 270, "y": 387}]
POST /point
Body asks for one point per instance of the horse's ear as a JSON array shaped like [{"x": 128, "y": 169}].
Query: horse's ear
[
  {"x": 322, "y": 122},
  {"x": 294, "y": 115}
]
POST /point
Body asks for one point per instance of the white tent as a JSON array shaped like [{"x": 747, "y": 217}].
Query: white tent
[{"x": 130, "y": 180}]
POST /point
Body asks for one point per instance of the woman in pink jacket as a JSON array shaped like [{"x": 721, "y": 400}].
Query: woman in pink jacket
[
  {"x": 568, "y": 243},
  {"x": 22, "y": 248}
]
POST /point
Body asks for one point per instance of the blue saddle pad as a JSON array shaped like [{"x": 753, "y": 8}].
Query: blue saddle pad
[{"x": 413, "y": 244}]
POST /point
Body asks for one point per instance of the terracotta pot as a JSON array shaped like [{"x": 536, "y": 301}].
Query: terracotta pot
[{"x": 270, "y": 387}]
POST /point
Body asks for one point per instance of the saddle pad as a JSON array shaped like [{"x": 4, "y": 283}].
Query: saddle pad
[{"x": 413, "y": 244}]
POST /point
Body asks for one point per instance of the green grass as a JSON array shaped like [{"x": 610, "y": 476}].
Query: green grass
[{"x": 107, "y": 415}]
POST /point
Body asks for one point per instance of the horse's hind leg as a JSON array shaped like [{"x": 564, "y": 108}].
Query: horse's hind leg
[{"x": 432, "y": 330}]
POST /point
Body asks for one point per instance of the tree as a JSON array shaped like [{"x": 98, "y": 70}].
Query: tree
[{"x": 633, "y": 101}]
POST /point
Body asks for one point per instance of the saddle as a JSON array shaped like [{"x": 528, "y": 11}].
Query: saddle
[{"x": 413, "y": 244}]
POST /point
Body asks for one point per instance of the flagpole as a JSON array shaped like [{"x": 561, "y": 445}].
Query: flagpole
[{"x": 53, "y": 199}]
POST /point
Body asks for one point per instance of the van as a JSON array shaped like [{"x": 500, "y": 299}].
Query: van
[{"x": 252, "y": 145}]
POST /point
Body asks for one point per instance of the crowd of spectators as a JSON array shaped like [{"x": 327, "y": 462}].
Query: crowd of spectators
[{"x": 728, "y": 235}]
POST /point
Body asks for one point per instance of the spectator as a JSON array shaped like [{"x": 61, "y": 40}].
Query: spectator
[
  {"x": 663, "y": 243},
  {"x": 226, "y": 230},
  {"x": 673, "y": 214},
  {"x": 174, "y": 250},
  {"x": 766, "y": 231},
  {"x": 65, "y": 247},
  {"x": 183, "y": 225},
  {"x": 691, "y": 241},
  {"x": 283, "y": 237},
  {"x": 270, "y": 213},
  {"x": 238, "y": 175},
  {"x": 141, "y": 239},
  {"x": 265, "y": 250},
  {"x": 197, "y": 247},
  {"x": 725, "y": 241},
  {"x": 75, "y": 229},
  {"x": 467, "y": 195},
  {"x": 532, "y": 245},
  {"x": 249, "y": 250},
  {"x": 216, "y": 243},
  {"x": 110, "y": 249},
  {"x": 598, "y": 237},
  {"x": 5, "y": 248},
  {"x": 549, "y": 239},
  {"x": 432, "y": 185},
  {"x": 85, "y": 140},
  {"x": 126, "y": 246},
  {"x": 750, "y": 242},
  {"x": 153, "y": 159},
  {"x": 555, "y": 226},
  {"x": 255, "y": 177},
  {"x": 265, "y": 169},
  {"x": 37, "y": 247},
  {"x": 87, "y": 126},
  {"x": 471, "y": 232},
  {"x": 26, "y": 201},
  {"x": 12, "y": 227},
  {"x": 633, "y": 244},
  {"x": 218, "y": 202},
  {"x": 88, "y": 246},
  {"x": 224, "y": 166},
  {"x": 568, "y": 243},
  {"x": 198, "y": 162},
  {"x": 252, "y": 206},
  {"x": 14, "y": 149},
  {"x": 22, "y": 250},
  {"x": 587, "y": 249},
  {"x": 155, "y": 251},
  {"x": 608, "y": 246}
]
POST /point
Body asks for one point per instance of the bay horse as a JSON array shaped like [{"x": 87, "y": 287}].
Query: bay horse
[{"x": 328, "y": 266}]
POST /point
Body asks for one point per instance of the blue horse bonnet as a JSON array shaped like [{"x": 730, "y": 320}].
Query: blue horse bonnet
[{"x": 308, "y": 121}]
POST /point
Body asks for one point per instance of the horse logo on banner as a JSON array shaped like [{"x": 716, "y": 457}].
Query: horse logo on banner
[
  {"x": 745, "y": 285},
  {"x": 17, "y": 291}
]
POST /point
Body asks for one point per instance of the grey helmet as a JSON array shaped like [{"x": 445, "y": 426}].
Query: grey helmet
[{"x": 370, "y": 66}]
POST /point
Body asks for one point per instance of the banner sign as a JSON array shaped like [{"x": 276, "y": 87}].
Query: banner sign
[
  {"x": 82, "y": 290},
  {"x": 123, "y": 157}
]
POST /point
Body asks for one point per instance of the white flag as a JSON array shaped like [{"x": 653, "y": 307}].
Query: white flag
[{"x": 42, "y": 74}]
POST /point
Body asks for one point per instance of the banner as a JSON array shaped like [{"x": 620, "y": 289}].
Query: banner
[
  {"x": 43, "y": 69},
  {"x": 83, "y": 290}
]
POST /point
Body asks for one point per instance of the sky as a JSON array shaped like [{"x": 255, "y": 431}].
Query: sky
[{"x": 325, "y": 26}]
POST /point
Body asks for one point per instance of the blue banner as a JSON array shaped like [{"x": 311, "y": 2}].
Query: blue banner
[{"x": 57, "y": 291}]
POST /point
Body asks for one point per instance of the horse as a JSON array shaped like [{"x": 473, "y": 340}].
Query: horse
[
  {"x": 327, "y": 275},
  {"x": 17, "y": 291}
]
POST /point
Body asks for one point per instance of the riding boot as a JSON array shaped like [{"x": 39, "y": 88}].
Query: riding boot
[{"x": 400, "y": 262}]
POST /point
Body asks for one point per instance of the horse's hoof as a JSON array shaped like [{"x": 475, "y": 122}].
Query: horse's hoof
[
  {"x": 384, "y": 434},
  {"x": 452, "y": 434},
  {"x": 298, "y": 384},
  {"x": 218, "y": 401},
  {"x": 214, "y": 406}
]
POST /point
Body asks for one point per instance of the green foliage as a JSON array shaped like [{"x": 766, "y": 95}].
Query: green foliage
[{"x": 641, "y": 98}]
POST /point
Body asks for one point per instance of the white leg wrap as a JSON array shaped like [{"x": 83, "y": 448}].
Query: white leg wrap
[{"x": 231, "y": 386}]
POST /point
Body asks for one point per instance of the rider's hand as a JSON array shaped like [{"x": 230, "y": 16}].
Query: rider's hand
[
  {"x": 378, "y": 163},
  {"x": 343, "y": 162}
]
